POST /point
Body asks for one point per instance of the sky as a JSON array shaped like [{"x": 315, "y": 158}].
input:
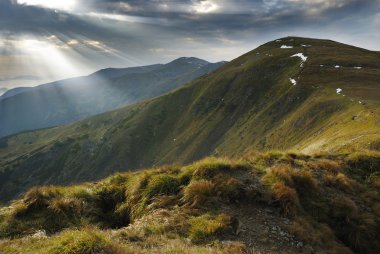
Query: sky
[{"x": 46, "y": 40}]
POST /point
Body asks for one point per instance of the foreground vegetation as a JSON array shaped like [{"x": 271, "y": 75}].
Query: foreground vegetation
[{"x": 331, "y": 203}]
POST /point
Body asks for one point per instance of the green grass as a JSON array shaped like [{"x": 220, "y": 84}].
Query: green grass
[{"x": 328, "y": 199}]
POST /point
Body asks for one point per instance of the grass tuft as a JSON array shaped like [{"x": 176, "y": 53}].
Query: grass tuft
[
  {"x": 206, "y": 227},
  {"x": 199, "y": 192}
]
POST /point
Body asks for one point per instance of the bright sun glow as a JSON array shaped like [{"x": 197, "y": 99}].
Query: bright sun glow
[
  {"x": 53, "y": 4},
  {"x": 205, "y": 6}
]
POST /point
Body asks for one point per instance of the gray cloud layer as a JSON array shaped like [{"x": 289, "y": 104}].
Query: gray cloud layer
[{"x": 131, "y": 32}]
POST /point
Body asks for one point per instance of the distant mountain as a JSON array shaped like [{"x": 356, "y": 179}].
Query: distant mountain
[
  {"x": 73, "y": 99},
  {"x": 14, "y": 91},
  {"x": 312, "y": 96},
  {"x": 2, "y": 91}
]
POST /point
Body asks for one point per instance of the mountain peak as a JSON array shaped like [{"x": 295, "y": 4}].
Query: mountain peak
[{"x": 190, "y": 60}]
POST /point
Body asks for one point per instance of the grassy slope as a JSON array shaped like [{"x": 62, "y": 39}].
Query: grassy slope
[
  {"x": 247, "y": 103},
  {"x": 330, "y": 204}
]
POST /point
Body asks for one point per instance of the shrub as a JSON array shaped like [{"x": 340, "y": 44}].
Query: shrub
[
  {"x": 199, "y": 192},
  {"x": 205, "y": 227},
  {"x": 287, "y": 198}
]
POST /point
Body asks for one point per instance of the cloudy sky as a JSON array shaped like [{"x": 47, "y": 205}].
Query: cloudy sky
[{"x": 44, "y": 40}]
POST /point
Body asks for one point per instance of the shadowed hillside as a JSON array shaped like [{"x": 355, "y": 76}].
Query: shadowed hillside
[
  {"x": 66, "y": 101},
  {"x": 292, "y": 93}
]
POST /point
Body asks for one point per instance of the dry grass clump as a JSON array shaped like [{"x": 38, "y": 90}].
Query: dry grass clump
[
  {"x": 199, "y": 192},
  {"x": 342, "y": 182},
  {"x": 228, "y": 188},
  {"x": 81, "y": 242},
  {"x": 156, "y": 210},
  {"x": 344, "y": 208},
  {"x": 374, "y": 179},
  {"x": 288, "y": 186},
  {"x": 162, "y": 184},
  {"x": 368, "y": 161},
  {"x": 205, "y": 227},
  {"x": 211, "y": 166},
  {"x": 287, "y": 197},
  {"x": 317, "y": 234},
  {"x": 304, "y": 182},
  {"x": 355, "y": 228},
  {"x": 279, "y": 173},
  {"x": 324, "y": 165}
]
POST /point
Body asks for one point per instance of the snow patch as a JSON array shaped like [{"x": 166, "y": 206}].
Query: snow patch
[
  {"x": 337, "y": 66},
  {"x": 322, "y": 65},
  {"x": 338, "y": 90},
  {"x": 302, "y": 56},
  {"x": 306, "y": 46},
  {"x": 278, "y": 40},
  {"x": 358, "y": 67},
  {"x": 286, "y": 47},
  {"x": 293, "y": 81}
]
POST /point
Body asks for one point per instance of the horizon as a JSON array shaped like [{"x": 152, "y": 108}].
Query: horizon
[
  {"x": 73, "y": 38},
  {"x": 3, "y": 90}
]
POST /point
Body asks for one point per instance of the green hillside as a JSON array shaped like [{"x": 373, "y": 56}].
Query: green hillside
[
  {"x": 262, "y": 203},
  {"x": 248, "y": 103}
]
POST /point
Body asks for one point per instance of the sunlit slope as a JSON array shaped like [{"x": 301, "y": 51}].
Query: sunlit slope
[{"x": 248, "y": 103}]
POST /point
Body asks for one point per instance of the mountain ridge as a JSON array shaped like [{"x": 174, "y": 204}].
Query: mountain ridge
[
  {"x": 249, "y": 103},
  {"x": 66, "y": 101}
]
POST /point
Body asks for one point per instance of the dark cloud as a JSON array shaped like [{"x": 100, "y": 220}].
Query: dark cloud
[{"x": 130, "y": 32}]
